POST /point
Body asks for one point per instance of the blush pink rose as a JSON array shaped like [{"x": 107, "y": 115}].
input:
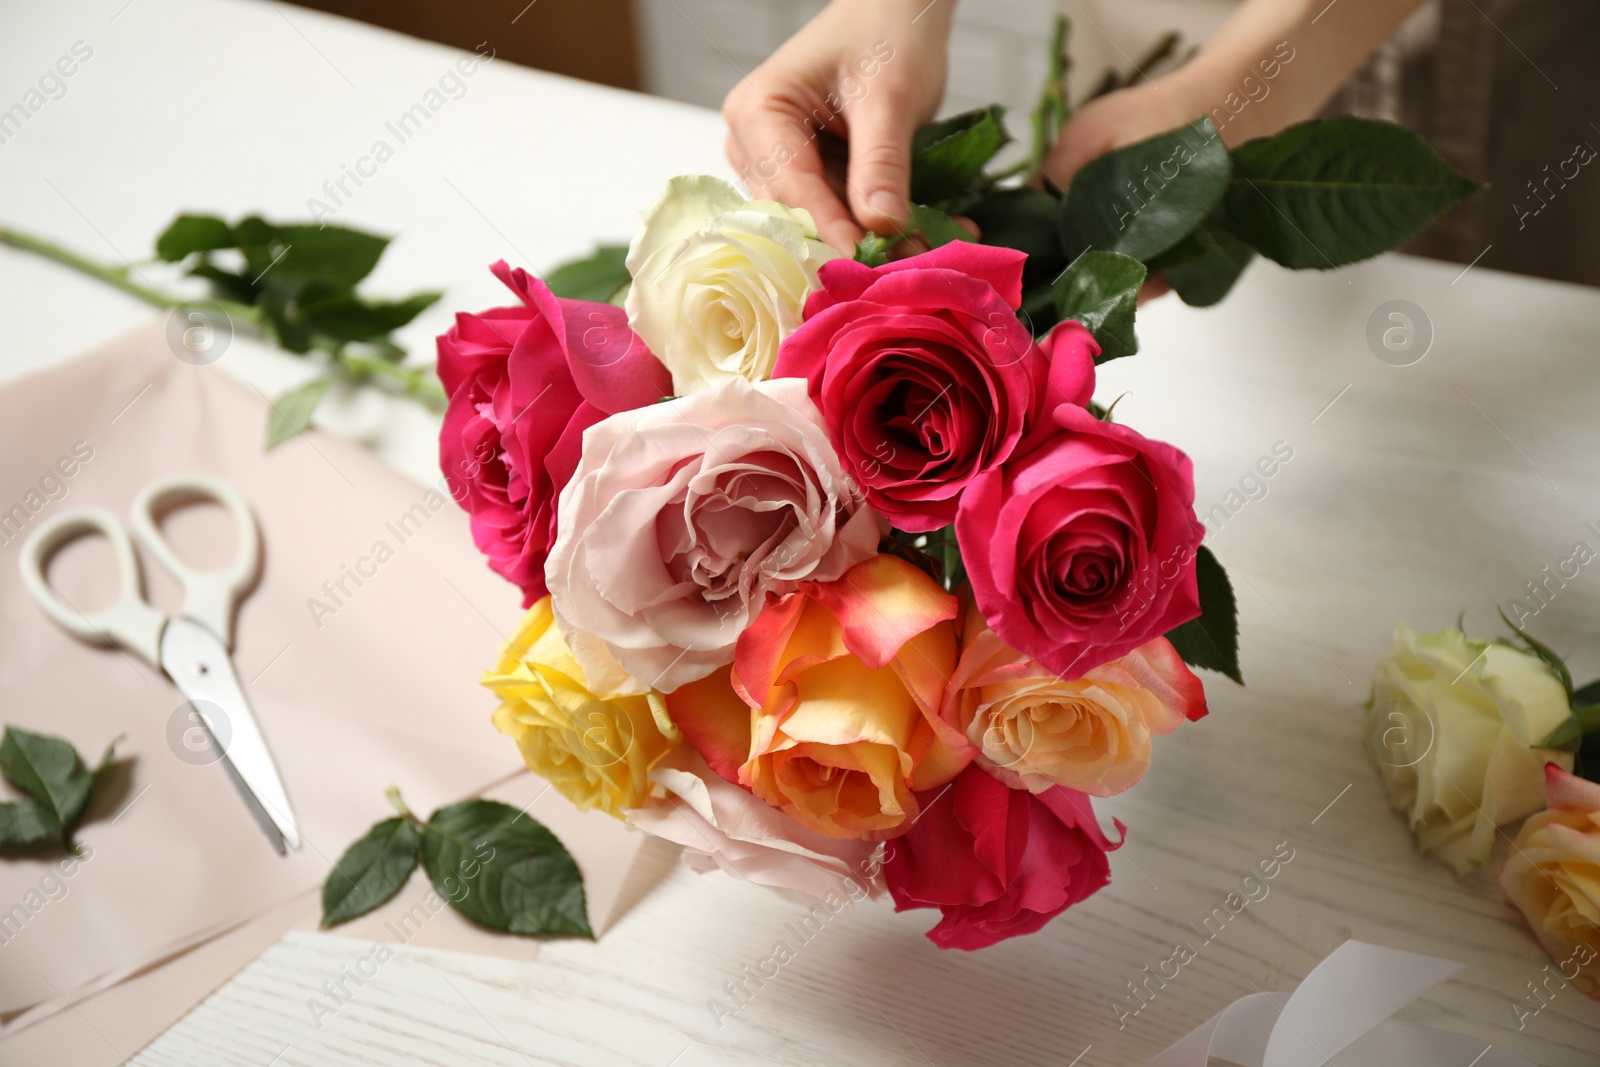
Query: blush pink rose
[
  {"x": 927, "y": 378},
  {"x": 524, "y": 382},
  {"x": 997, "y": 862},
  {"x": 1084, "y": 549},
  {"x": 681, "y": 520}
]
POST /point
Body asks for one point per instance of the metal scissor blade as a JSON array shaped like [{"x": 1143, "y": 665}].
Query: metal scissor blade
[{"x": 200, "y": 667}]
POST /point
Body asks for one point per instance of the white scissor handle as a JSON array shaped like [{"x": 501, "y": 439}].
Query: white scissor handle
[
  {"x": 209, "y": 597},
  {"x": 129, "y": 622}
]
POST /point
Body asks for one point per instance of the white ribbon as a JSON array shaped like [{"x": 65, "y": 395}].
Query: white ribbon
[{"x": 1340, "y": 1016}]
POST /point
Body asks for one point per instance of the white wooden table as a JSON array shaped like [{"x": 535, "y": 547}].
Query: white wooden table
[{"x": 1413, "y": 493}]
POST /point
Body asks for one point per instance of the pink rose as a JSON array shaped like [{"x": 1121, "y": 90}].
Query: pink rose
[
  {"x": 683, "y": 517},
  {"x": 1083, "y": 549},
  {"x": 524, "y": 382},
  {"x": 722, "y": 825},
  {"x": 997, "y": 862},
  {"x": 926, "y": 377}
]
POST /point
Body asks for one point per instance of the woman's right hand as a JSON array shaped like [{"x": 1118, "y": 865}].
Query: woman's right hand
[{"x": 867, "y": 72}]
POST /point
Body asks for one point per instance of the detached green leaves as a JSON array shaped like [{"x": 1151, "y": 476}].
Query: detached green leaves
[
  {"x": 596, "y": 277},
  {"x": 1101, "y": 290},
  {"x": 56, "y": 782},
  {"x": 1212, "y": 640},
  {"x": 371, "y": 871},
  {"x": 1143, "y": 199},
  {"x": 948, "y": 157},
  {"x": 494, "y": 864},
  {"x": 298, "y": 284},
  {"x": 291, "y": 411},
  {"x": 507, "y": 869},
  {"x": 1334, "y": 191}
]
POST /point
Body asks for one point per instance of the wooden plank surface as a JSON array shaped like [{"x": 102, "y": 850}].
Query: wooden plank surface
[{"x": 1413, "y": 493}]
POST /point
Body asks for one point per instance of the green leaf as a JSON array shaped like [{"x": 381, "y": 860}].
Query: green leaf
[
  {"x": 504, "y": 870},
  {"x": 48, "y": 770},
  {"x": 371, "y": 871},
  {"x": 1101, "y": 290},
  {"x": 594, "y": 277},
  {"x": 296, "y": 258},
  {"x": 1212, "y": 640},
  {"x": 948, "y": 157},
  {"x": 225, "y": 285},
  {"x": 193, "y": 233},
  {"x": 291, "y": 411},
  {"x": 349, "y": 318},
  {"x": 1025, "y": 219},
  {"x": 936, "y": 227},
  {"x": 1545, "y": 653},
  {"x": 1334, "y": 191},
  {"x": 1217, "y": 258},
  {"x": 873, "y": 249},
  {"x": 1143, "y": 199},
  {"x": 27, "y": 822}
]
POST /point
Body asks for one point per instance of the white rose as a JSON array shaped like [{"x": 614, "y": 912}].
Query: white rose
[
  {"x": 1454, "y": 725},
  {"x": 719, "y": 281}
]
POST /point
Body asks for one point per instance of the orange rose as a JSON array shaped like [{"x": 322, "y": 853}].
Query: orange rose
[
  {"x": 1553, "y": 875},
  {"x": 1033, "y": 730},
  {"x": 830, "y": 712}
]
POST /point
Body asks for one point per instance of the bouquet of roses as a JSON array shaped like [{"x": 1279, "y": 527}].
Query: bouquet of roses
[{"x": 833, "y": 567}]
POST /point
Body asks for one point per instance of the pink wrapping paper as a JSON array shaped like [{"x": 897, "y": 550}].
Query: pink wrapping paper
[{"x": 360, "y": 651}]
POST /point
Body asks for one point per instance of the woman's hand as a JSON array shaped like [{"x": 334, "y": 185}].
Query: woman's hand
[{"x": 864, "y": 72}]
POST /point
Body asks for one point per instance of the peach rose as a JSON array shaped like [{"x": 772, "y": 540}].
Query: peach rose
[
  {"x": 830, "y": 712},
  {"x": 1553, "y": 875},
  {"x": 1034, "y": 730}
]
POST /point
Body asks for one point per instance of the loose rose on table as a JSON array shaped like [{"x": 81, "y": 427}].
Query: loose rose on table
[
  {"x": 1552, "y": 875},
  {"x": 1455, "y": 726}
]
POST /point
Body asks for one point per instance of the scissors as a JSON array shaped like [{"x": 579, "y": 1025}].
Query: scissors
[{"x": 192, "y": 647}]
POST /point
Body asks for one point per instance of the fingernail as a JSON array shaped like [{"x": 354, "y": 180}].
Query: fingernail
[{"x": 887, "y": 204}]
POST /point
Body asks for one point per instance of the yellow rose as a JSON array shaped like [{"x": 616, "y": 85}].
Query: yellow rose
[
  {"x": 719, "y": 281},
  {"x": 1454, "y": 724},
  {"x": 1034, "y": 730},
  {"x": 596, "y": 751},
  {"x": 1553, "y": 875}
]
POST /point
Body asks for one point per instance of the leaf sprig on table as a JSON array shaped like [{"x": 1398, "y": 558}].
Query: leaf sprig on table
[
  {"x": 56, "y": 784},
  {"x": 293, "y": 283},
  {"x": 298, "y": 285},
  {"x": 489, "y": 861}
]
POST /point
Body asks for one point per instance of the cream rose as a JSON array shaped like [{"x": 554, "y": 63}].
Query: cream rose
[
  {"x": 683, "y": 517},
  {"x": 1553, "y": 876},
  {"x": 719, "y": 281},
  {"x": 1034, "y": 730},
  {"x": 1454, "y": 725}
]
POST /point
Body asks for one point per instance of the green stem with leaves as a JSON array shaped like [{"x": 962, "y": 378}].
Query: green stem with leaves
[{"x": 417, "y": 383}]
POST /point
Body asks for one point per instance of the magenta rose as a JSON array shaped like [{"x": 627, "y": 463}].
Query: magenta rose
[
  {"x": 524, "y": 382},
  {"x": 1084, "y": 548},
  {"x": 926, "y": 377},
  {"x": 997, "y": 862}
]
